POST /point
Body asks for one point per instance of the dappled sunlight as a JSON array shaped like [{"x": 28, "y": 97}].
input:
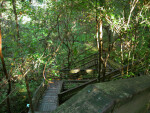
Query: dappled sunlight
[
  {"x": 36, "y": 5},
  {"x": 50, "y": 81},
  {"x": 89, "y": 71},
  {"x": 74, "y": 70},
  {"x": 25, "y": 19}
]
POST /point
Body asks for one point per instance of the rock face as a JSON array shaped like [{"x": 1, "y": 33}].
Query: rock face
[{"x": 120, "y": 96}]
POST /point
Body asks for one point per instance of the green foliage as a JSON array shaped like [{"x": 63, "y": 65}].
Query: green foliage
[
  {"x": 71, "y": 24},
  {"x": 129, "y": 75}
]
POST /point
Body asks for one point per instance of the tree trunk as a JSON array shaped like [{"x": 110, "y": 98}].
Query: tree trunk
[
  {"x": 16, "y": 19},
  {"x": 106, "y": 58},
  {"x": 104, "y": 68},
  {"x": 109, "y": 39},
  {"x": 5, "y": 71},
  {"x": 98, "y": 44},
  {"x": 97, "y": 27},
  {"x": 121, "y": 54},
  {"x": 134, "y": 43},
  {"x": 128, "y": 62},
  {"x": 100, "y": 47}
]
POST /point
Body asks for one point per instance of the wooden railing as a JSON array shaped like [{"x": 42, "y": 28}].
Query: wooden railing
[
  {"x": 69, "y": 84},
  {"x": 88, "y": 64},
  {"x": 113, "y": 64},
  {"x": 38, "y": 94},
  {"x": 78, "y": 63},
  {"x": 91, "y": 65},
  {"x": 85, "y": 59},
  {"x": 86, "y": 52},
  {"x": 117, "y": 72},
  {"x": 63, "y": 96}
]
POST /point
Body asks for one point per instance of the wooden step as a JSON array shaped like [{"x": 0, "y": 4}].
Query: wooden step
[
  {"x": 41, "y": 112},
  {"x": 49, "y": 100},
  {"x": 47, "y": 107}
]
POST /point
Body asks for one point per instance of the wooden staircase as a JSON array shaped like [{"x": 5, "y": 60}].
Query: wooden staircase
[
  {"x": 74, "y": 82},
  {"x": 82, "y": 66},
  {"x": 49, "y": 100},
  {"x": 49, "y": 96}
]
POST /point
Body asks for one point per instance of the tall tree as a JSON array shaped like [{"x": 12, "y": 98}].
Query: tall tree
[
  {"x": 16, "y": 19},
  {"x": 98, "y": 43},
  {"x": 4, "y": 68}
]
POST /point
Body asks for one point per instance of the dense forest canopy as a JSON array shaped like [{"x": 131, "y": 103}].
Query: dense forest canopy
[{"x": 39, "y": 37}]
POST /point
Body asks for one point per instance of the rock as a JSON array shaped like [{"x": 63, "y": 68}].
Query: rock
[{"x": 120, "y": 96}]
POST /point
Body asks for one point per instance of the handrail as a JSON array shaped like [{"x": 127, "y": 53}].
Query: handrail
[
  {"x": 69, "y": 84},
  {"x": 109, "y": 75},
  {"x": 91, "y": 55},
  {"x": 84, "y": 52},
  {"x": 74, "y": 58},
  {"x": 85, "y": 58},
  {"x": 67, "y": 70},
  {"x": 114, "y": 64},
  {"x": 63, "y": 96},
  {"x": 37, "y": 94},
  {"x": 80, "y": 61},
  {"x": 95, "y": 59},
  {"x": 96, "y": 62},
  {"x": 76, "y": 81}
]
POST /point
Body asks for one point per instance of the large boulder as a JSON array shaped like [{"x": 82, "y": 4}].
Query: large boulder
[{"x": 120, "y": 96}]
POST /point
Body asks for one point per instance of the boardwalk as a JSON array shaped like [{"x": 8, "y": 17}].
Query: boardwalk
[{"x": 49, "y": 101}]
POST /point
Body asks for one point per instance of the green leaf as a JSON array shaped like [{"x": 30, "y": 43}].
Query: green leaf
[
  {"x": 75, "y": 51},
  {"x": 118, "y": 39},
  {"x": 50, "y": 41},
  {"x": 112, "y": 16},
  {"x": 133, "y": 39}
]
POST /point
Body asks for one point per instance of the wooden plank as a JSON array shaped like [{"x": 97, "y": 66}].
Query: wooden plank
[
  {"x": 75, "y": 81},
  {"x": 49, "y": 101}
]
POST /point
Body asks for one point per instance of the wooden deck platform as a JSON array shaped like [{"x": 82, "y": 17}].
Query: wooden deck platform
[{"x": 49, "y": 101}]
